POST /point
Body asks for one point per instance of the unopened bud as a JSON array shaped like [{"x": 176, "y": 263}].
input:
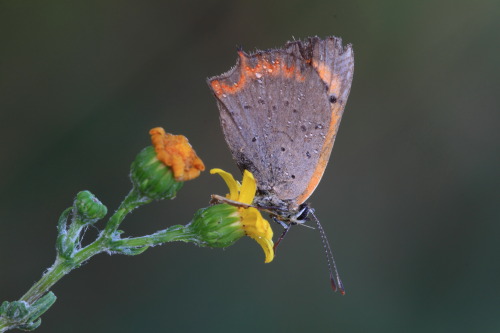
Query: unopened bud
[
  {"x": 152, "y": 178},
  {"x": 88, "y": 208}
]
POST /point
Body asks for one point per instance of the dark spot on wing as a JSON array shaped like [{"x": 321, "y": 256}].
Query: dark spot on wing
[
  {"x": 303, "y": 128},
  {"x": 247, "y": 107},
  {"x": 283, "y": 149},
  {"x": 333, "y": 99},
  {"x": 254, "y": 139},
  {"x": 308, "y": 154}
]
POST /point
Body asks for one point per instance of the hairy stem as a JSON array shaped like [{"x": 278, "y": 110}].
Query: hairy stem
[
  {"x": 131, "y": 201},
  {"x": 60, "y": 268},
  {"x": 171, "y": 234}
]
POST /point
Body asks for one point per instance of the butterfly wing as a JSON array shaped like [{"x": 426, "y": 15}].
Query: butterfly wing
[{"x": 278, "y": 114}]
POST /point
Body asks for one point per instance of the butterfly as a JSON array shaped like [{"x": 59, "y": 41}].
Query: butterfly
[{"x": 280, "y": 112}]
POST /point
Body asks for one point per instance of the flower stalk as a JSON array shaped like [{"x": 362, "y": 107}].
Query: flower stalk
[
  {"x": 106, "y": 243},
  {"x": 157, "y": 173},
  {"x": 152, "y": 179}
]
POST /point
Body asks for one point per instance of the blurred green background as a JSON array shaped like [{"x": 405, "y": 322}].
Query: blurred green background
[{"x": 410, "y": 199}]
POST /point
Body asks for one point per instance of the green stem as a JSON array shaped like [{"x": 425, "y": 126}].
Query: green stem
[
  {"x": 174, "y": 233},
  {"x": 75, "y": 228},
  {"x": 4, "y": 326},
  {"x": 133, "y": 200},
  {"x": 107, "y": 241},
  {"x": 60, "y": 268},
  {"x": 63, "y": 266}
]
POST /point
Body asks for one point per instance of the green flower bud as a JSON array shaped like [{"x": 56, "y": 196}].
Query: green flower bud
[
  {"x": 217, "y": 226},
  {"x": 152, "y": 178},
  {"x": 25, "y": 316},
  {"x": 88, "y": 208}
]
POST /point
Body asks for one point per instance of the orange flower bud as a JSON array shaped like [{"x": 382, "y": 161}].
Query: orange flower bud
[{"x": 176, "y": 152}]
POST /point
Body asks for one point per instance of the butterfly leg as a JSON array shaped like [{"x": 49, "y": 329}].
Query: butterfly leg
[{"x": 286, "y": 228}]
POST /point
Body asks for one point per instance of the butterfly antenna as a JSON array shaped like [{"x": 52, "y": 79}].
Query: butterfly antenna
[
  {"x": 306, "y": 226},
  {"x": 334, "y": 274}
]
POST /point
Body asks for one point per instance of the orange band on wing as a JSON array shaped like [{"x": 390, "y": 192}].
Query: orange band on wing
[
  {"x": 333, "y": 82},
  {"x": 331, "y": 79},
  {"x": 262, "y": 68}
]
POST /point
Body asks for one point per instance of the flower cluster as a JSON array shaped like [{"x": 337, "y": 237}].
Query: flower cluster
[{"x": 159, "y": 172}]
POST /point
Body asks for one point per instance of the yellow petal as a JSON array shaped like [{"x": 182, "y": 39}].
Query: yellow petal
[
  {"x": 248, "y": 188},
  {"x": 258, "y": 228},
  {"x": 267, "y": 245},
  {"x": 230, "y": 182}
]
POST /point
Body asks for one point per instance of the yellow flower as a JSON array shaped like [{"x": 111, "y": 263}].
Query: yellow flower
[{"x": 252, "y": 222}]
